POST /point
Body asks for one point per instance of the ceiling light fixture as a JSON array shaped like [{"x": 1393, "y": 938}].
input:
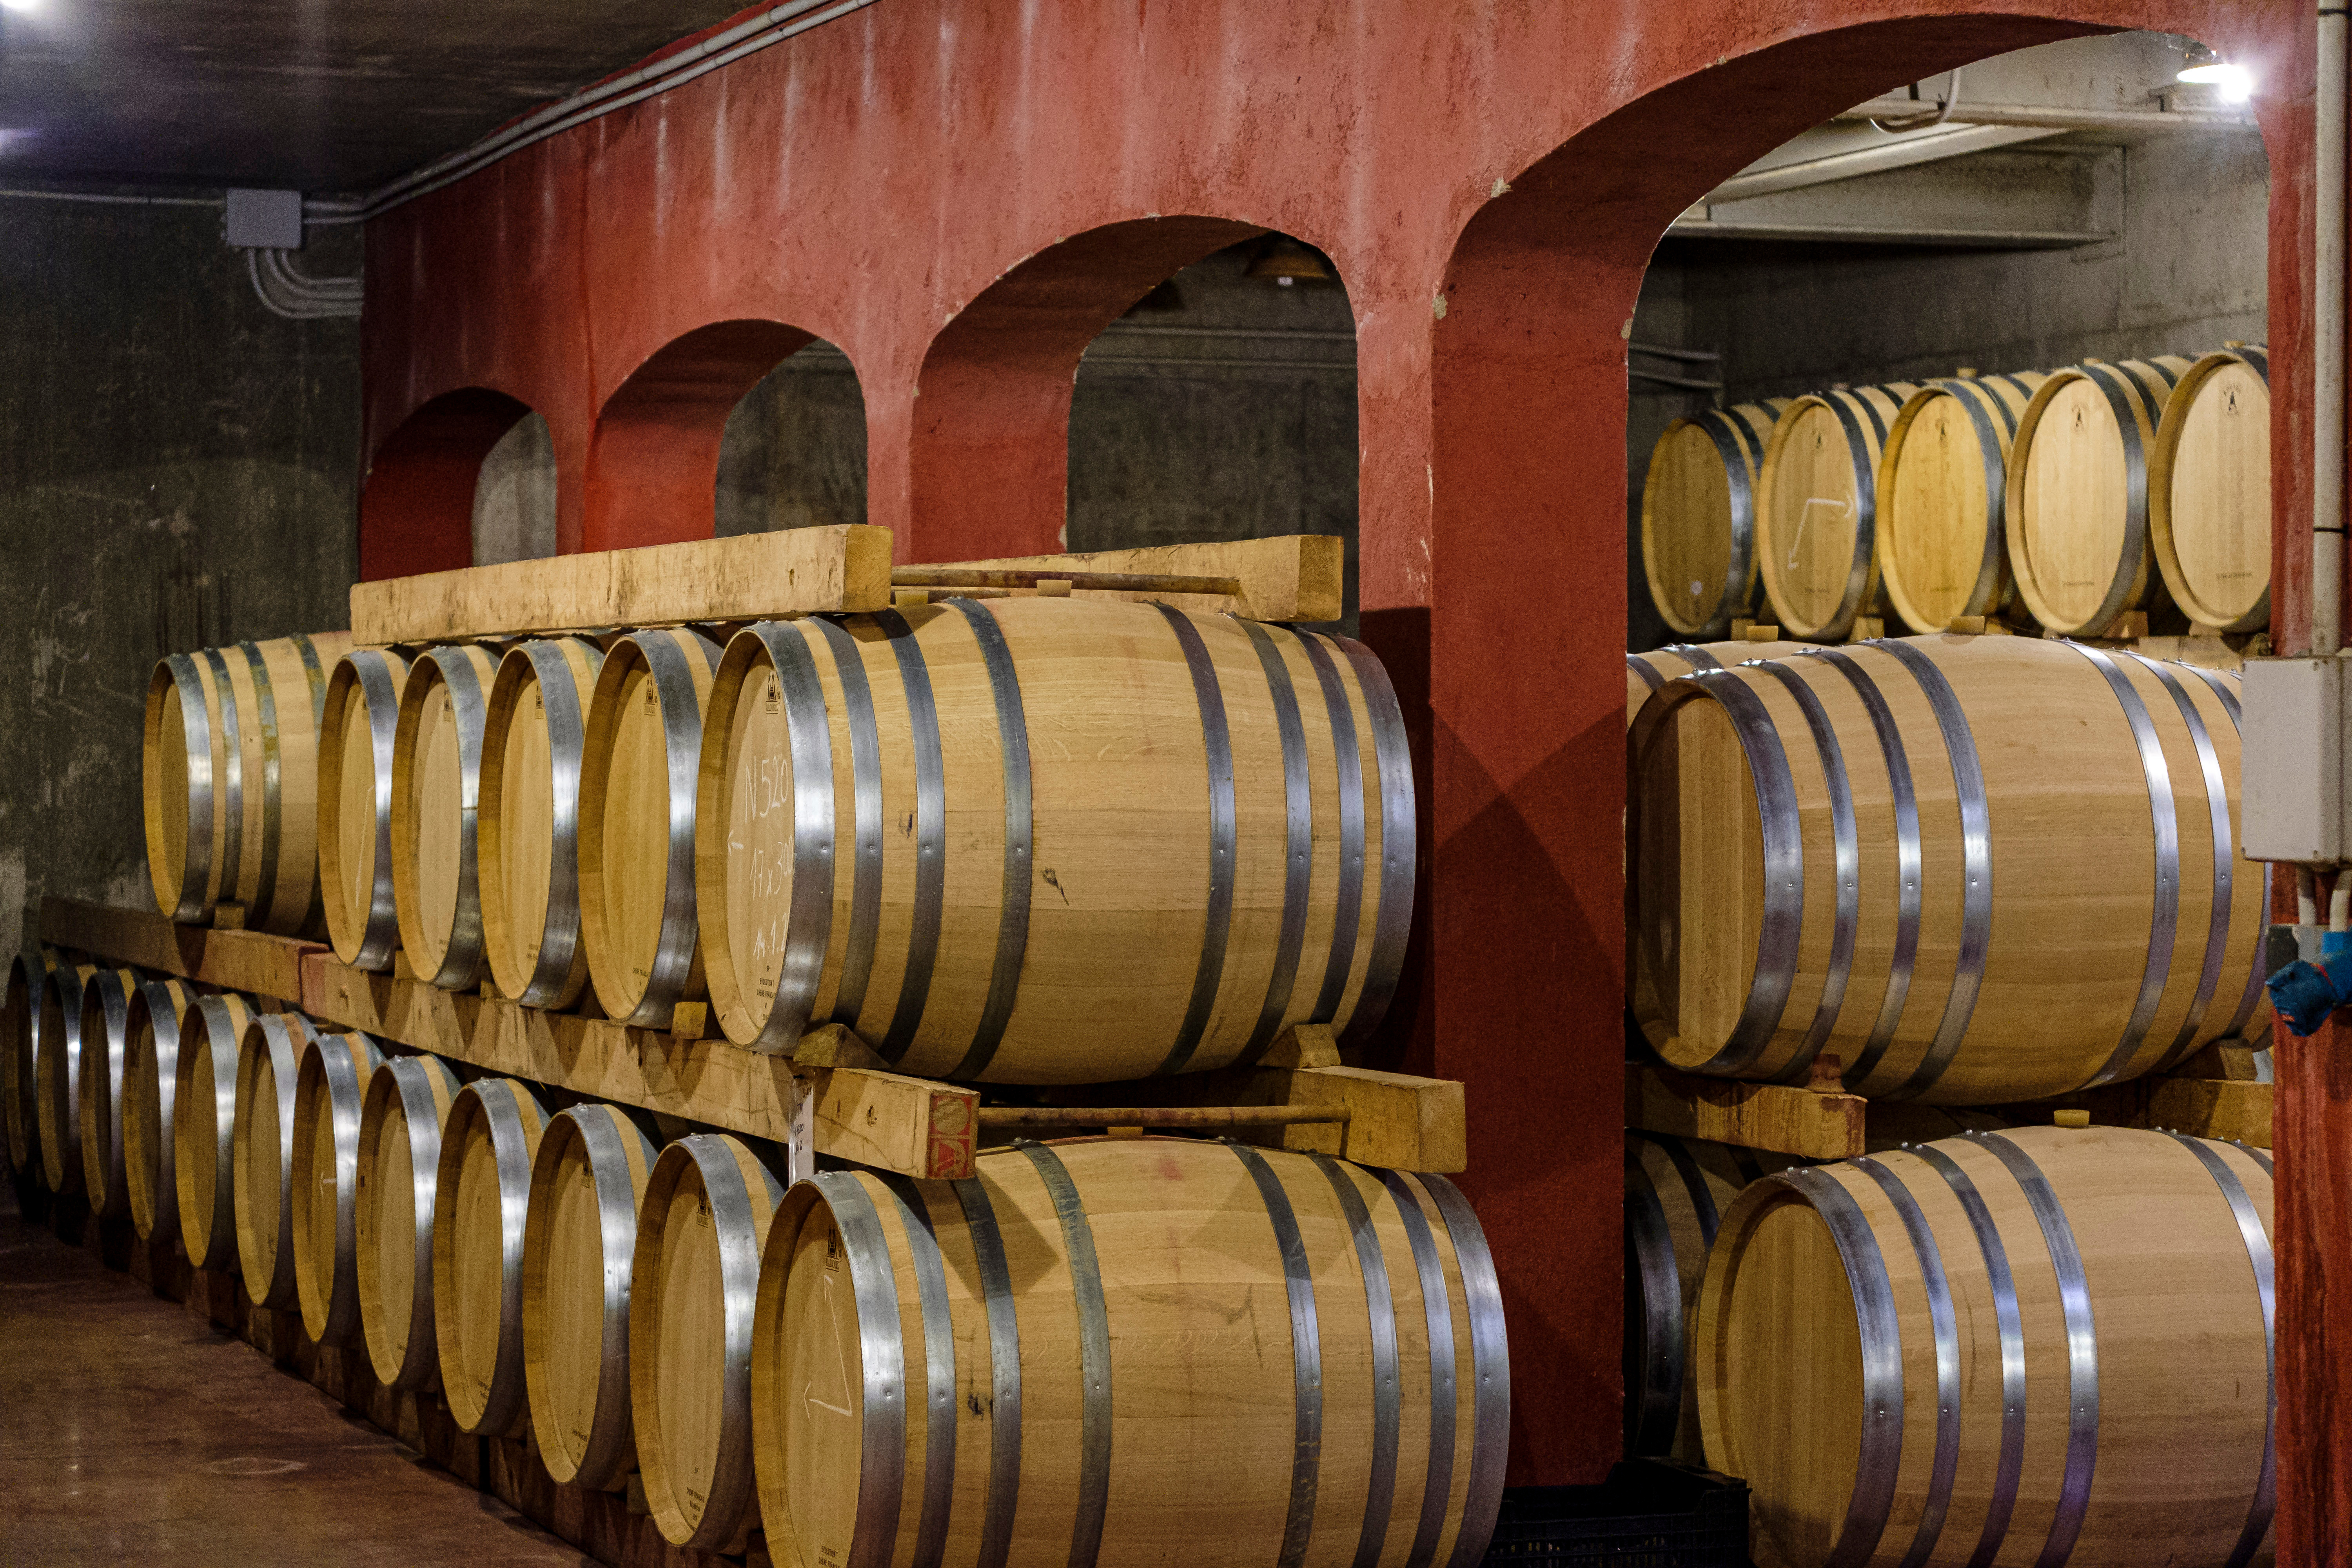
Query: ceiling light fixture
[
  {"x": 1288, "y": 261},
  {"x": 20, "y": 5},
  {"x": 2204, "y": 68}
]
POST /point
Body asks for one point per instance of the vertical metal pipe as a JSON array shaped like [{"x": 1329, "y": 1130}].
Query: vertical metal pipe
[{"x": 2328, "y": 341}]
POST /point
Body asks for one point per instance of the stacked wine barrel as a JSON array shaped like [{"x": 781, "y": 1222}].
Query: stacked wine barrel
[{"x": 2075, "y": 497}]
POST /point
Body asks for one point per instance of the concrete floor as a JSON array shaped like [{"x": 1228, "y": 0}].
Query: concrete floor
[{"x": 133, "y": 1432}]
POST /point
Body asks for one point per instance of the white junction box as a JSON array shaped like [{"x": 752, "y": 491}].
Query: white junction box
[
  {"x": 2293, "y": 805},
  {"x": 265, "y": 220}
]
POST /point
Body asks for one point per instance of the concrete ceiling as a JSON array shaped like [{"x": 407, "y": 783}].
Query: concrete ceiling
[{"x": 323, "y": 96}]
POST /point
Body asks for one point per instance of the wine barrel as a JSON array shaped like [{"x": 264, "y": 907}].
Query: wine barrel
[
  {"x": 481, "y": 1200},
  {"x": 1698, "y": 516},
  {"x": 1646, "y": 672},
  {"x": 99, "y": 1098},
  {"x": 355, "y": 772},
  {"x": 529, "y": 826},
  {"x": 1051, "y": 840},
  {"x": 971, "y": 1296},
  {"x": 2054, "y": 1345},
  {"x": 1975, "y": 869},
  {"x": 1817, "y": 515},
  {"x": 1942, "y": 485},
  {"x": 203, "y": 1123},
  {"x": 151, "y": 1069},
  {"x": 262, "y": 1140},
  {"x": 643, "y": 747},
  {"x": 1677, "y": 1190},
  {"x": 401, "y": 1114},
  {"x": 694, "y": 1281},
  {"x": 29, "y": 976},
  {"x": 2076, "y": 511},
  {"x": 57, "y": 1070},
  {"x": 229, "y": 766},
  {"x": 2208, "y": 491},
  {"x": 330, "y": 1090},
  {"x": 593, "y": 1165},
  {"x": 436, "y": 772}
]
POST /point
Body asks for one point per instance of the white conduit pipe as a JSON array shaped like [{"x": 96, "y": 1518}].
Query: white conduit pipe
[{"x": 2328, "y": 339}]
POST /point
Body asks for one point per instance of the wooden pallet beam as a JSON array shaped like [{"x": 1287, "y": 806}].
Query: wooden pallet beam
[
  {"x": 1805, "y": 1122},
  {"x": 1294, "y": 577},
  {"x": 252, "y": 962}
]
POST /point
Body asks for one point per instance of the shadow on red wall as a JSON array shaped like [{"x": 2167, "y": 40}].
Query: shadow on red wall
[{"x": 417, "y": 504}]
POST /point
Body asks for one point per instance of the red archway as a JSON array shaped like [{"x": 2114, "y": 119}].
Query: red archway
[{"x": 417, "y": 504}]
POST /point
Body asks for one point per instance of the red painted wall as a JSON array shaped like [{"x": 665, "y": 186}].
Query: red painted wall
[{"x": 957, "y": 193}]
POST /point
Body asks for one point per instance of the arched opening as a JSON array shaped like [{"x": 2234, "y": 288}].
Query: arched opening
[
  {"x": 734, "y": 427},
  {"x": 1221, "y": 406},
  {"x": 418, "y": 501},
  {"x": 514, "y": 498}
]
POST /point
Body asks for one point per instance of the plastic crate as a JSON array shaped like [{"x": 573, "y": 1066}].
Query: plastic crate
[{"x": 1650, "y": 1513}]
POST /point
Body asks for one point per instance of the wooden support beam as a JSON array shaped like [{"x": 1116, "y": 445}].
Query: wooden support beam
[
  {"x": 1001, "y": 1118},
  {"x": 252, "y": 962},
  {"x": 1805, "y": 1122},
  {"x": 753, "y": 576},
  {"x": 1295, "y": 577},
  {"x": 2234, "y": 1110}
]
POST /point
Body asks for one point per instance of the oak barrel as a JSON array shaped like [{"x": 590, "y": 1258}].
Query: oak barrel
[
  {"x": 1646, "y": 672},
  {"x": 1302, "y": 1360},
  {"x": 1975, "y": 869},
  {"x": 2054, "y": 1345},
  {"x": 1051, "y": 840},
  {"x": 1817, "y": 514},
  {"x": 2076, "y": 511},
  {"x": 1942, "y": 488},
  {"x": 261, "y": 1142},
  {"x": 527, "y": 831},
  {"x": 355, "y": 774},
  {"x": 330, "y": 1091},
  {"x": 151, "y": 1071},
  {"x": 99, "y": 1099},
  {"x": 401, "y": 1114},
  {"x": 20, "y": 1005},
  {"x": 203, "y": 1121},
  {"x": 436, "y": 770},
  {"x": 591, "y": 1170},
  {"x": 694, "y": 1282},
  {"x": 639, "y": 761},
  {"x": 482, "y": 1197},
  {"x": 2208, "y": 491},
  {"x": 1698, "y": 516},
  {"x": 58, "y": 1071},
  {"x": 229, "y": 768}
]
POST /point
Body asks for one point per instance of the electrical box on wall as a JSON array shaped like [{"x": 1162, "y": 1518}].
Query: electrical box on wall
[
  {"x": 265, "y": 220},
  {"x": 2292, "y": 807}
]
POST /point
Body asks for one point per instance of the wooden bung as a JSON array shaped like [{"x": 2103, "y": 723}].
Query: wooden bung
[
  {"x": 330, "y": 1092},
  {"x": 1646, "y": 672},
  {"x": 151, "y": 1069},
  {"x": 693, "y": 1285},
  {"x": 2208, "y": 491},
  {"x": 1942, "y": 486},
  {"x": 203, "y": 1121},
  {"x": 1698, "y": 516},
  {"x": 2040, "y": 892},
  {"x": 915, "y": 1341},
  {"x": 529, "y": 828},
  {"x": 482, "y": 1197},
  {"x": 436, "y": 763},
  {"x": 98, "y": 1097},
  {"x": 2076, "y": 510},
  {"x": 586, "y": 1184},
  {"x": 356, "y": 740},
  {"x": 997, "y": 840},
  {"x": 262, "y": 1144},
  {"x": 1817, "y": 509},
  {"x": 398, "y": 1165},
  {"x": 2041, "y": 1345},
  {"x": 20, "y": 1012}
]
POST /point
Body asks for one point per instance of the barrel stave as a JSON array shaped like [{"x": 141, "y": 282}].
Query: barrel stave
[
  {"x": 262, "y": 1140},
  {"x": 331, "y": 1089},
  {"x": 98, "y": 1093},
  {"x": 397, "y": 1170},
  {"x": 203, "y": 1120},
  {"x": 150, "y": 1085},
  {"x": 356, "y": 740},
  {"x": 481, "y": 1203},
  {"x": 436, "y": 757},
  {"x": 528, "y": 831}
]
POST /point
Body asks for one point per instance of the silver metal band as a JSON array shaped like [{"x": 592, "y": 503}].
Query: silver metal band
[
  {"x": 882, "y": 1364},
  {"x": 1020, "y": 833},
  {"x": 500, "y": 1099},
  {"x": 1843, "y": 406},
  {"x": 2122, "y": 392},
  {"x": 1437, "y": 1315},
  {"x": 567, "y": 736},
  {"x": 1297, "y": 839},
  {"x": 1645, "y": 669},
  {"x": 109, "y": 1195},
  {"x": 2220, "y": 895},
  {"x": 1944, "y": 1328},
  {"x": 1305, "y": 1356},
  {"x": 1882, "y": 1362},
  {"x": 265, "y": 705},
  {"x": 1845, "y": 843},
  {"x": 1490, "y": 1366},
  {"x": 1654, "y": 1393},
  {"x": 1217, "y": 923},
  {"x": 1003, "y": 1372},
  {"x": 1348, "y": 907},
  {"x": 808, "y": 924},
  {"x": 232, "y": 781},
  {"x": 604, "y": 1133},
  {"x": 939, "y": 1371},
  {"x": 282, "y": 1045},
  {"x": 2254, "y": 975},
  {"x": 2259, "y": 1259},
  {"x": 2166, "y": 895},
  {"x": 1094, "y": 1355},
  {"x": 931, "y": 839},
  {"x": 163, "y": 1030},
  {"x": 2081, "y": 1347},
  {"x": 866, "y": 801},
  {"x": 666, "y": 663},
  {"x": 1992, "y": 446},
  {"x": 196, "y": 894},
  {"x": 1907, "y": 858},
  {"x": 462, "y": 962},
  {"x": 2010, "y": 1326},
  {"x": 733, "y": 1222},
  {"x": 345, "y": 1088},
  {"x": 380, "y": 936},
  {"x": 1694, "y": 1187},
  {"x": 1398, "y": 848},
  {"x": 1729, "y": 437},
  {"x": 223, "y": 1049},
  {"x": 1380, "y": 1313},
  {"x": 412, "y": 1080},
  {"x": 1976, "y": 866},
  {"x": 1691, "y": 654},
  {"x": 315, "y": 678}
]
